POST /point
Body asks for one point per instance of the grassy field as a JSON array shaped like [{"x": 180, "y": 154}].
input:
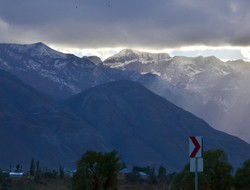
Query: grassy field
[
  {"x": 27, "y": 184},
  {"x": 65, "y": 184}
]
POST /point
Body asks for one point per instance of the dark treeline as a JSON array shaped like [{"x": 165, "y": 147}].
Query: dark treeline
[
  {"x": 99, "y": 171},
  {"x": 35, "y": 174}
]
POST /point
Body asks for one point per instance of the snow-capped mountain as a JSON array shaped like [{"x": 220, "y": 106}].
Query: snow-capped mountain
[
  {"x": 127, "y": 56},
  {"x": 208, "y": 87},
  {"x": 57, "y": 74},
  {"x": 38, "y": 65},
  {"x": 134, "y": 116},
  {"x": 34, "y": 50}
]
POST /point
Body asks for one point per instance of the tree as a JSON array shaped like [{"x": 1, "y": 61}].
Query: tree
[
  {"x": 61, "y": 172},
  {"x": 18, "y": 168},
  {"x": 162, "y": 173},
  {"x": 183, "y": 180},
  {"x": 217, "y": 170},
  {"x": 216, "y": 174},
  {"x": 151, "y": 176},
  {"x": 37, "y": 166},
  {"x": 1, "y": 176},
  {"x": 96, "y": 171},
  {"x": 38, "y": 172},
  {"x": 32, "y": 167},
  {"x": 242, "y": 175},
  {"x": 51, "y": 174}
]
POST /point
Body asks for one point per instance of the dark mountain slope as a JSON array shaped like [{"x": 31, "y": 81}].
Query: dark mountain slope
[
  {"x": 147, "y": 129},
  {"x": 143, "y": 127},
  {"x": 32, "y": 125}
]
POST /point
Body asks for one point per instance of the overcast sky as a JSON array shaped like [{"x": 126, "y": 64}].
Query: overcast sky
[{"x": 104, "y": 26}]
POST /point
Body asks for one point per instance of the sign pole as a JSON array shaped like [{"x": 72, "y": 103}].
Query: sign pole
[{"x": 196, "y": 173}]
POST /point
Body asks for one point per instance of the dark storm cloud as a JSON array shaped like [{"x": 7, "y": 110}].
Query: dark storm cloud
[{"x": 131, "y": 23}]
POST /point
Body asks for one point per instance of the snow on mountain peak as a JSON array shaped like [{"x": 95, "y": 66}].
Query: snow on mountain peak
[
  {"x": 126, "y": 52},
  {"x": 127, "y": 55},
  {"x": 37, "y": 49},
  {"x": 94, "y": 59},
  {"x": 41, "y": 49}
]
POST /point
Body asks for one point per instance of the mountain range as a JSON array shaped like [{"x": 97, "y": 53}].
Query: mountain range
[
  {"x": 144, "y": 128},
  {"x": 213, "y": 90},
  {"x": 63, "y": 105},
  {"x": 60, "y": 75}
]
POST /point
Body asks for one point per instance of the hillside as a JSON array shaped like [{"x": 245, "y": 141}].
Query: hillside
[
  {"x": 32, "y": 125},
  {"x": 147, "y": 129}
]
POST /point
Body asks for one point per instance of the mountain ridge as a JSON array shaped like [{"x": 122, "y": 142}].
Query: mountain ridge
[
  {"x": 129, "y": 55},
  {"x": 62, "y": 76},
  {"x": 36, "y": 49}
]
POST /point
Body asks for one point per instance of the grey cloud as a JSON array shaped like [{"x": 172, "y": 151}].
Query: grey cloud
[{"x": 130, "y": 23}]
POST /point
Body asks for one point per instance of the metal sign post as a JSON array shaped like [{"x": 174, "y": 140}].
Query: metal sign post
[{"x": 196, "y": 174}]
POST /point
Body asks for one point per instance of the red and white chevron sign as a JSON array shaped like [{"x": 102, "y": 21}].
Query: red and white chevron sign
[{"x": 195, "y": 146}]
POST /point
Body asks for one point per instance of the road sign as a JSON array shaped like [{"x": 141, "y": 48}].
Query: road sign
[
  {"x": 195, "y": 154},
  {"x": 195, "y": 147},
  {"x": 196, "y": 166}
]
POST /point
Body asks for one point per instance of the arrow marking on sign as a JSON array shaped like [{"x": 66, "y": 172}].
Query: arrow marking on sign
[{"x": 196, "y": 147}]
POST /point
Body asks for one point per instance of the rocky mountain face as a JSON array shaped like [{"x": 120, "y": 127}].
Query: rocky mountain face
[
  {"x": 146, "y": 128},
  {"x": 128, "y": 55},
  {"x": 61, "y": 75},
  {"x": 206, "y": 86},
  {"x": 96, "y": 60}
]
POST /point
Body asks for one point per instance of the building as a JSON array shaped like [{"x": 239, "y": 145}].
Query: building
[{"x": 122, "y": 174}]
